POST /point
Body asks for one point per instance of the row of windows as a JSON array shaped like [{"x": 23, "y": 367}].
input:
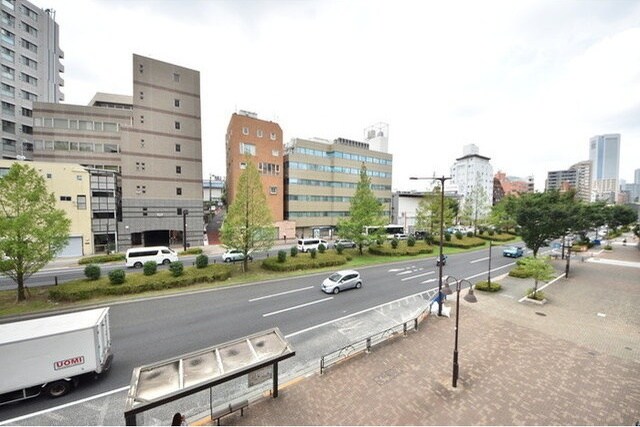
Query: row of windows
[
  {"x": 10, "y": 127},
  {"x": 10, "y": 56},
  {"x": 142, "y": 189},
  {"x": 81, "y": 200},
  {"x": 11, "y": 5},
  {"x": 332, "y": 199},
  {"x": 176, "y": 101},
  {"x": 341, "y": 155},
  {"x": 10, "y": 38},
  {"x": 334, "y": 184},
  {"x": 336, "y": 169},
  {"x": 142, "y": 166},
  {"x": 320, "y": 214},
  {"x": 114, "y": 168},
  {"x": 250, "y": 150},
  {"x": 269, "y": 169},
  {"x": 57, "y": 123},
  {"x": 259, "y": 133},
  {"x": 9, "y": 109},
  {"x": 76, "y": 146},
  {"x": 10, "y": 92}
]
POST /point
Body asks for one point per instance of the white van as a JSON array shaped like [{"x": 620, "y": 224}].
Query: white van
[
  {"x": 305, "y": 245},
  {"x": 136, "y": 257}
]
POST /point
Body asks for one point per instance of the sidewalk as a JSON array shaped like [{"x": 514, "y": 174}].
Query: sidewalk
[{"x": 572, "y": 361}]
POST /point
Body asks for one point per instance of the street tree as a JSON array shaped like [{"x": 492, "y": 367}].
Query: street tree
[
  {"x": 476, "y": 204},
  {"x": 428, "y": 212},
  {"x": 620, "y": 215},
  {"x": 503, "y": 214},
  {"x": 543, "y": 216},
  {"x": 32, "y": 230},
  {"x": 539, "y": 269},
  {"x": 365, "y": 210},
  {"x": 248, "y": 225}
]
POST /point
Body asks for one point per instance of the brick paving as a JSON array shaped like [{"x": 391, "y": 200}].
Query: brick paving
[{"x": 572, "y": 361}]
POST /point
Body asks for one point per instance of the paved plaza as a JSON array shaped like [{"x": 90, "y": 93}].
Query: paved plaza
[{"x": 572, "y": 361}]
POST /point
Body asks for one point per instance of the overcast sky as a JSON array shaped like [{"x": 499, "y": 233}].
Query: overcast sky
[{"x": 528, "y": 82}]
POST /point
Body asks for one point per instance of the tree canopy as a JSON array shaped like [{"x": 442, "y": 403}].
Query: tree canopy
[
  {"x": 32, "y": 230},
  {"x": 428, "y": 212},
  {"x": 365, "y": 210},
  {"x": 248, "y": 225},
  {"x": 537, "y": 268}
]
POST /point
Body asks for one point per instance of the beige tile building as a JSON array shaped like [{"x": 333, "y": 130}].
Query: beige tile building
[
  {"x": 321, "y": 178},
  {"x": 152, "y": 139},
  {"x": 70, "y": 183}
]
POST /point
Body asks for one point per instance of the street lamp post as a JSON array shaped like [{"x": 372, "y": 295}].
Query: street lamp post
[
  {"x": 442, "y": 179},
  {"x": 185, "y": 212},
  {"x": 566, "y": 272},
  {"x": 489, "y": 271},
  {"x": 470, "y": 297}
]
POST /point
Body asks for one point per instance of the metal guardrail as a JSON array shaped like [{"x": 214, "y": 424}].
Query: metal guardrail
[{"x": 366, "y": 344}]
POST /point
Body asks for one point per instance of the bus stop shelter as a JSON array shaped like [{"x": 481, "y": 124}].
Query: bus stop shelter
[{"x": 162, "y": 382}]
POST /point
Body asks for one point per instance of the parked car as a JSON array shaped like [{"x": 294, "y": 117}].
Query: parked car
[
  {"x": 401, "y": 236},
  {"x": 442, "y": 259},
  {"x": 513, "y": 252},
  {"x": 345, "y": 243},
  {"x": 341, "y": 280},
  {"x": 233, "y": 255}
]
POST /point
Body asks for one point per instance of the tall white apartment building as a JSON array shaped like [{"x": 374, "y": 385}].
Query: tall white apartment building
[
  {"x": 473, "y": 171},
  {"x": 604, "y": 153},
  {"x": 31, "y": 71}
]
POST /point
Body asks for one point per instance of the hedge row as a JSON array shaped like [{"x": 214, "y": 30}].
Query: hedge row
[
  {"x": 305, "y": 262},
  {"x": 519, "y": 273},
  {"x": 136, "y": 283},
  {"x": 504, "y": 237},
  {"x": 401, "y": 250},
  {"x": 465, "y": 243},
  {"x": 99, "y": 259}
]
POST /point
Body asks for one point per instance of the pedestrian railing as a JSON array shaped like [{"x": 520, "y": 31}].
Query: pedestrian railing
[{"x": 366, "y": 344}]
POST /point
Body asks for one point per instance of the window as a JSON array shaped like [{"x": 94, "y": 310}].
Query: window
[
  {"x": 28, "y": 62},
  {"x": 273, "y": 136},
  {"x": 86, "y": 125},
  {"x": 29, "y": 79},
  {"x": 141, "y": 95},
  {"x": 29, "y": 29},
  {"x": 8, "y": 54},
  {"x": 140, "y": 166},
  {"x": 26, "y": 112},
  {"x": 247, "y": 149},
  {"x": 8, "y": 127},
  {"x": 176, "y": 102},
  {"x": 141, "y": 119},
  {"x": 81, "y": 201},
  {"x": 64, "y": 198},
  {"x": 141, "y": 189},
  {"x": 8, "y": 19},
  {"x": 8, "y": 109},
  {"x": 28, "y": 95},
  {"x": 141, "y": 68},
  {"x": 243, "y": 165},
  {"x": 10, "y": 4},
  {"x": 8, "y": 72},
  {"x": 259, "y": 133},
  {"x": 178, "y": 191},
  {"x": 245, "y": 131},
  {"x": 7, "y": 37},
  {"x": 176, "y": 77},
  {"x": 275, "y": 153},
  {"x": 177, "y": 125},
  {"x": 8, "y": 90},
  {"x": 144, "y": 211},
  {"x": 30, "y": 13},
  {"x": 177, "y": 148},
  {"x": 179, "y": 211},
  {"x": 29, "y": 46},
  {"x": 178, "y": 169},
  {"x": 273, "y": 190}
]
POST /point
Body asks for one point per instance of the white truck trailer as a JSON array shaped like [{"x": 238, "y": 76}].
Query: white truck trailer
[{"x": 50, "y": 354}]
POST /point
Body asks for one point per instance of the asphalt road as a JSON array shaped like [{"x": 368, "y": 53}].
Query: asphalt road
[{"x": 154, "y": 329}]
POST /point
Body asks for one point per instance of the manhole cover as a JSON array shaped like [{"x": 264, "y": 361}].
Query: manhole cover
[{"x": 540, "y": 313}]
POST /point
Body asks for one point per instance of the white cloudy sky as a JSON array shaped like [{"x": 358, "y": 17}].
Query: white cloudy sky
[{"x": 528, "y": 82}]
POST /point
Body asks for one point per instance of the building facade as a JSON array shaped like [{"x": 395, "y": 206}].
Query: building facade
[
  {"x": 321, "y": 177},
  {"x": 71, "y": 185},
  {"x": 31, "y": 71},
  {"x": 153, "y": 139},
  {"x": 473, "y": 173},
  {"x": 604, "y": 154},
  {"x": 512, "y": 185},
  {"x": 583, "y": 180},
  {"x": 259, "y": 141},
  {"x": 561, "y": 180}
]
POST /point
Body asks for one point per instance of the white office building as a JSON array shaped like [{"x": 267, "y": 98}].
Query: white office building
[
  {"x": 473, "y": 172},
  {"x": 604, "y": 153},
  {"x": 31, "y": 71}
]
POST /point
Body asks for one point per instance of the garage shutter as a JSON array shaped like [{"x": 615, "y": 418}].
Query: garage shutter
[{"x": 73, "y": 248}]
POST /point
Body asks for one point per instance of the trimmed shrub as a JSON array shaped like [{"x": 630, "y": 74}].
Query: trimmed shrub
[
  {"x": 447, "y": 236},
  {"x": 491, "y": 232},
  {"x": 294, "y": 251},
  {"x": 411, "y": 241},
  {"x": 191, "y": 251},
  {"x": 99, "y": 259},
  {"x": 469, "y": 233},
  {"x": 202, "y": 261},
  {"x": 150, "y": 268},
  {"x": 176, "y": 268},
  {"x": 387, "y": 250},
  {"x": 339, "y": 248},
  {"x": 519, "y": 273},
  {"x": 305, "y": 262},
  {"x": 465, "y": 243},
  {"x": 92, "y": 272},
  {"x": 379, "y": 240},
  {"x": 321, "y": 248},
  {"x": 606, "y": 248},
  {"x": 459, "y": 235},
  {"x": 313, "y": 253},
  {"x": 538, "y": 297},
  {"x": 282, "y": 256},
  {"x": 117, "y": 277},
  {"x": 394, "y": 243},
  {"x": 484, "y": 286},
  {"x": 481, "y": 231}
]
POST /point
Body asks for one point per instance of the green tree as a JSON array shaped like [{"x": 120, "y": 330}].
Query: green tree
[
  {"x": 365, "y": 210},
  {"x": 620, "y": 215},
  {"x": 428, "y": 212},
  {"x": 32, "y": 230},
  {"x": 543, "y": 216},
  {"x": 248, "y": 225},
  {"x": 503, "y": 214},
  {"x": 476, "y": 204},
  {"x": 537, "y": 268}
]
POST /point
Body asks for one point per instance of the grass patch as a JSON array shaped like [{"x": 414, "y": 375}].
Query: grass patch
[{"x": 486, "y": 287}]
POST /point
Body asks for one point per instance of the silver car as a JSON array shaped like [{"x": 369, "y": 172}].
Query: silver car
[
  {"x": 345, "y": 243},
  {"x": 342, "y": 280},
  {"x": 233, "y": 255}
]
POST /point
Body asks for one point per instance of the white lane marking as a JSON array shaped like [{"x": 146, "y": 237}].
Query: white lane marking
[
  {"x": 405, "y": 272},
  {"x": 417, "y": 275},
  {"x": 281, "y": 293},
  {"x": 393, "y": 270},
  {"x": 66, "y": 405},
  {"x": 296, "y": 307},
  {"x": 428, "y": 281},
  {"x": 478, "y": 260}
]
